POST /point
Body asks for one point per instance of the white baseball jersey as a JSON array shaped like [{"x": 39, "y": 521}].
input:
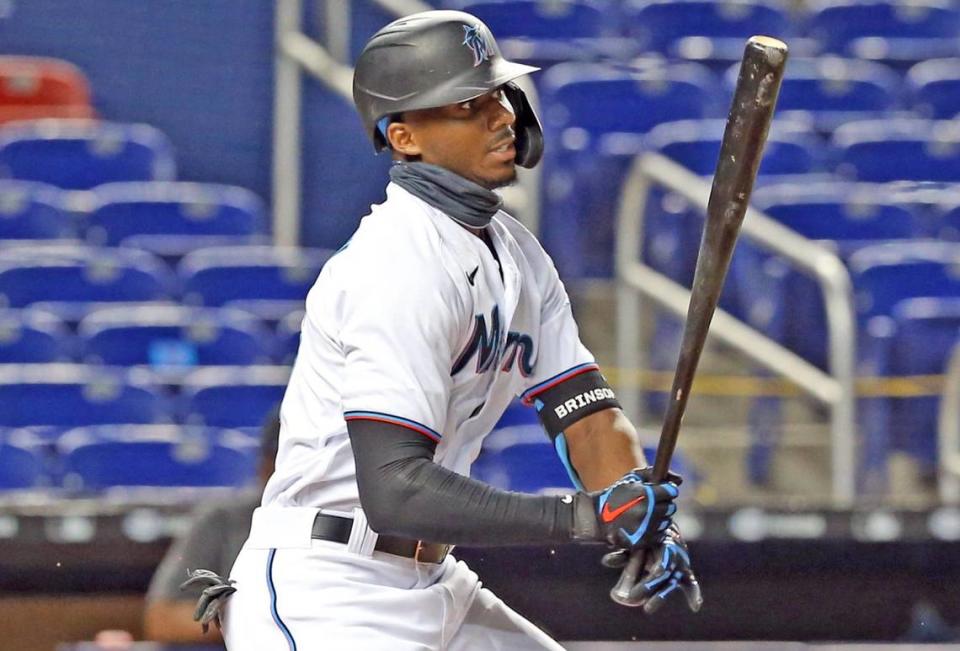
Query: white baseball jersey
[{"x": 415, "y": 322}]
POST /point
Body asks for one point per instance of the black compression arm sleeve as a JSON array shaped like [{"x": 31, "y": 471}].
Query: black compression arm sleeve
[{"x": 404, "y": 493}]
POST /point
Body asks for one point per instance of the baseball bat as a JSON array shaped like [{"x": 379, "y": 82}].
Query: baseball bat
[{"x": 741, "y": 149}]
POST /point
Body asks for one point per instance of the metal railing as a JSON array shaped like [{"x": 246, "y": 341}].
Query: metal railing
[
  {"x": 638, "y": 281},
  {"x": 949, "y": 433},
  {"x": 296, "y": 53}
]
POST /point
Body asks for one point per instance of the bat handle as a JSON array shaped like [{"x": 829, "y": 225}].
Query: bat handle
[{"x": 628, "y": 578}]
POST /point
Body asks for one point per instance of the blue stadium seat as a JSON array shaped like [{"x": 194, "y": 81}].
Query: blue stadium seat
[
  {"x": 66, "y": 395},
  {"x": 831, "y": 90},
  {"x": 70, "y": 277},
  {"x": 935, "y": 88},
  {"x": 288, "y": 337},
  {"x": 172, "y": 219},
  {"x": 525, "y": 467},
  {"x": 221, "y": 275},
  {"x": 97, "y": 458},
  {"x": 899, "y": 149},
  {"x": 923, "y": 333},
  {"x": 233, "y": 397},
  {"x": 633, "y": 100},
  {"x": 33, "y": 337},
  {"x": 171, "y": 337},
  {"x": 21, "y": 460},
  {"x": 33, "y": 211},
  {"x": 80, "y": 154},
  {"x": 848, "y": 212},
  {"x": 887, "y": 30},
  {"x": 544, "y": 34},
  {"x": 535, "y": 19},
  {"x": 702, "y": 29},
  {"x": 579, "y": 186},
  {"x": 885, "y": 274}
]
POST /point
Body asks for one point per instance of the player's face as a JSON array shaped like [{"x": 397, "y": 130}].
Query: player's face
[{"x": 475, "y": 138}]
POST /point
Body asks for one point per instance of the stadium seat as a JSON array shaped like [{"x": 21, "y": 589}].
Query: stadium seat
[
  {"x": 885, "y": 274},
  {"x": 846, "y": 212},
  {"x": 935, "y": 88},
  {"x": 919, "y": 343},
  {"x": 81, "y": 154},
  {"x": 831, "y": 90},
  {"x": 252, "y": 274},
  {"x": 97, "y": 458},
  {"x": 546, "y": 33},
  {"x": 171, "y": 337},
  {"x": 702, "y": 29},
  {"x": 232, "y": 397},
  {"x": 899, "y": 149},
  {"x": 33, "y": 211},
  {"x": 171, "y": 219},
  {"x": 33, "y": 337},
  {"x": 525, "y": 467},
  {"x": 67, "y": 395},
  {"x": 21, "y": 460},
  {"x": 40, "y": 87},
  {"x": 68, "y": 278},
  {"x": 579, "y": 185},
  {"x": 885, "y": 30},
  {"x": 288, "y": 336},
  {"x": 633, "y": 100}
]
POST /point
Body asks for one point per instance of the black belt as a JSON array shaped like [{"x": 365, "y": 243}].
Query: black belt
[{"x": 337, "y": 529}]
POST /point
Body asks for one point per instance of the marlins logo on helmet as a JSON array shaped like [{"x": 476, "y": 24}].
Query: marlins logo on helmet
[{"x": 473, "y": 39}]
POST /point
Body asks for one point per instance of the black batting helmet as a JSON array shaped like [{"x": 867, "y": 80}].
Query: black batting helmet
[{"x": 435, "y": 58}]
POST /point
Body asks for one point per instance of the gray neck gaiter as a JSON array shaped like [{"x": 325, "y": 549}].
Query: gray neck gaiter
[{"x": 466, "y": 202}]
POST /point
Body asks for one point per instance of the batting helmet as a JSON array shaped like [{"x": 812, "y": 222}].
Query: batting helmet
[{"x": 435, "y": 58}]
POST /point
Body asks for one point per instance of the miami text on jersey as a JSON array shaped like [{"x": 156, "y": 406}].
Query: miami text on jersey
[{"x": 490, "y": 347}]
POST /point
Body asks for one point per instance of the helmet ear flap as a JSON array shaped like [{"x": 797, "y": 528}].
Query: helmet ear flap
[{"x": 529, "y": 142}]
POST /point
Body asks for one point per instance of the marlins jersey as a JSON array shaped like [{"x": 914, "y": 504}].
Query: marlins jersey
[{"x": 415, "y": 322}]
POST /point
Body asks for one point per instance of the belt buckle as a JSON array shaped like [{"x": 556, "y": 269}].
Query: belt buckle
[{"x": 421, "y": 546}]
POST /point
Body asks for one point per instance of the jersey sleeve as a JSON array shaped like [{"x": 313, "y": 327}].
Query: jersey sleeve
[
  {"x": 399, "y": 328},
  {"x": 561, "y": 355}
]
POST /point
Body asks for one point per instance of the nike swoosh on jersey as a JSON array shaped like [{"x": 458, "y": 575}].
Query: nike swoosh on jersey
[
  {"x": 473, "y": 274},
  {"x": 609, "y": 516}
]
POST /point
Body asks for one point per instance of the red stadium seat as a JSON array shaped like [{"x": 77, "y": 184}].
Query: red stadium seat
[{"x": 38, "y": 87}]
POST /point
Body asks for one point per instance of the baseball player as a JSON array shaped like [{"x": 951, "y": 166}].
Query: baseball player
[{"x": 437, "y": 313}]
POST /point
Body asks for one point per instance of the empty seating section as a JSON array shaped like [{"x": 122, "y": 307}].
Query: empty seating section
[
  {"x": 232, "y": 397},
  {"x": 831, "y": 90},
  {"x": 899, "y": 149},
  {"x": 156, "y": 455},
  {"x": 149, "y": 316},
  {"x": 172, "y": 219},
  {"x": 33, "y": 211},
  {"x": 81, "y": 154},
  {"x": 68, "y": 278},
  {"x": 885, "y": 30},
  {"x": 38, "y": 87},
  {"x": 33, "y": 337},
  {"x": 701, "y": 29},
  {"x": 60, "y": 396},
  {"x": 173, "y": 336},
  {"x": 269, "y": 281}
]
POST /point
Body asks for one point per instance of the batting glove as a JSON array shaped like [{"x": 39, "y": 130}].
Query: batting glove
[
  {"x": 666, "y": 568},
  {"x": 215, "y": 591},
  {"x": 636, "y": 511}
]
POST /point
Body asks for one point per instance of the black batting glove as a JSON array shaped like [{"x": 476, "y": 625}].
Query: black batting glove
[
  {"x": 215, "y": 591},
  {"x": 636, "y": 511},
  {"x": 666, "y": 569}
]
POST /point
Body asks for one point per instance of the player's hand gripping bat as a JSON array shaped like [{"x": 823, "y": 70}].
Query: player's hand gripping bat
[{"x": 761, "y": 72}]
